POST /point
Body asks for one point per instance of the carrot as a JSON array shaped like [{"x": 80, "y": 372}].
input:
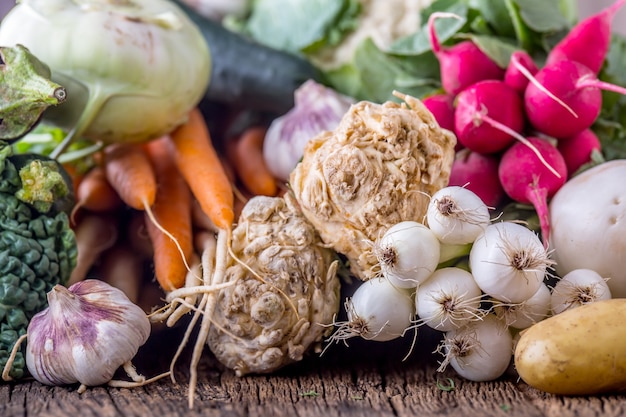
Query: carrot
[
  {"x": 74, "y": 174},
  {"x": 200, "y": 165},
  {"x": 94, "y": 192},
  {"x": 95, "y": 233},
  {"x": 130, "y": 173},
  {"x": 122, "y": 269},
  {"x": 250, "y": 165},
  {"x": 172, "y": 211},
  {"x": 137, "y": 235}
]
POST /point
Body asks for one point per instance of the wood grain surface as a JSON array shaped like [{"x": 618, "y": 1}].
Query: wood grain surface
[{"x": 363, "y": 379}]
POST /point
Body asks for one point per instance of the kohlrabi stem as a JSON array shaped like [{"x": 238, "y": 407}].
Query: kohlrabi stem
[
  {"x": 93, "y": 106},
  {"x": 483, "y": 116},
  {"x": 79, "y": 154}
]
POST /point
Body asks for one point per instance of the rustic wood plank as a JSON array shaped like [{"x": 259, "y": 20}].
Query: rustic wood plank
[{"x": 360, "y": 380}]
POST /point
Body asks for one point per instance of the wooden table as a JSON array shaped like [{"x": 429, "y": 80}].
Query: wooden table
[{"x": 363, "y": 379}]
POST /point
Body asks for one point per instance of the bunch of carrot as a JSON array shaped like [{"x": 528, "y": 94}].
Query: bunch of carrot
[
  {"x": 134, "y": 184},
  {"x": 155, "y": 210}
]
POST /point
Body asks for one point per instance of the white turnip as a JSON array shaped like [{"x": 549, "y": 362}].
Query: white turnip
[{"x": 588, "y": 216}]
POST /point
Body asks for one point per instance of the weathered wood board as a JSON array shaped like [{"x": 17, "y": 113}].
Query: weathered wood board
[{"x": 363, "y": 379}]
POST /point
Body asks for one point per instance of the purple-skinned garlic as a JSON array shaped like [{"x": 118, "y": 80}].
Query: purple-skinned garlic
[{"x": 87, "y": 332}]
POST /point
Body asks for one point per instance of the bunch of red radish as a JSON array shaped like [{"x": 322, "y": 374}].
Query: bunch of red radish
[{"x": 522, "y": 130}]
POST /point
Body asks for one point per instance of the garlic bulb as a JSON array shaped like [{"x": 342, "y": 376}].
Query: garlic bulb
[
  {"x": 317, "y": 109},
  {"x": 87, "y": 332}
]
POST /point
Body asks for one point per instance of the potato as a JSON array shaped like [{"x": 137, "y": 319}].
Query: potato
[{"x": 578, "y": 352}]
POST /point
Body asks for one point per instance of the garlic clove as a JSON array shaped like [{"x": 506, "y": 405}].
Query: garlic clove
[{"x": 87, "y": 332}]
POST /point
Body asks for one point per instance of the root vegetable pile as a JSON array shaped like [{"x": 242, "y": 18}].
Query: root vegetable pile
[
  {"x": 402, "y": 193},
  {"x": 377, "y": 168}
]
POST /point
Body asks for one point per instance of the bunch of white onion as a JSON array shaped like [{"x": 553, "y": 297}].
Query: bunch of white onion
[{"x": 477, "y": 304}]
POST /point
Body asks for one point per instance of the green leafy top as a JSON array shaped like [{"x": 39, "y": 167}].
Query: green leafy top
[
  {"x": 498, "y": 27},
  {"x": 299, "y": 26}
]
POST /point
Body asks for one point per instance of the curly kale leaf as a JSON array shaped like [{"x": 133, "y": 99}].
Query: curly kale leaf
[{"x": 37, "y": 251}]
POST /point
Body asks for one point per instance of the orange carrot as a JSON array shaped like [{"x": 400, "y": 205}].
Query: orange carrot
[
  {"x": 137, "y": 236},
  {"x": 172, "y": 211},
  {"x": 123, "y": 269},
  {"x": 250, "y": 165},
  {"x": 200, "y": 165},
  {"x": 95, "y": 233},
  {"x": 130, "y": 173},
  {"x": 74, "y": 174},
  {"x": 94, "y": 192}
]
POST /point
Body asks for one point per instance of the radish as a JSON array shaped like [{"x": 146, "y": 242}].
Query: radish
[
  {"x": 478, "y": 173},
  {"x": 588, "y": 42},
  {"x": 486, "y": 114},
  {"x": 578, "y": 149},
  {"x": 520, "y": 64},
  {"x": 526, "y": 178},
  {"x": 462, "y": 64},
  {"x": 442, "y": 107},
  {"x": 578, "y": 88}
]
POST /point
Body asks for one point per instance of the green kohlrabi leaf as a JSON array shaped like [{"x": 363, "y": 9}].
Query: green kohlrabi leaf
[
  {"x": 419, "y": 42},
  {"x": 542, "y": 15},
  {"x": 301, "y": 25},
  {"x": 374, "y": 75},
  {"x": 498, "y": 49},
  {"x": 26, "y": 91},
  {"x": 496, "y": 14},
  {"x": 45, "y": 138}
]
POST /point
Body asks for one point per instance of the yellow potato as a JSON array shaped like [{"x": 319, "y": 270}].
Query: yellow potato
[{"x": 578, "y": 352}]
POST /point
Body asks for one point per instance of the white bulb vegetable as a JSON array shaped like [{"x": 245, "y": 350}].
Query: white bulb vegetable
[
  {"x": 588, "y": 216},
  {"x": 509, "y": 262},
  {"x": 448, "y": 300},
  {"x": 525, "y": 314},
  {"x": 456, "y": 215},
  {"x": 479, "y": 351},
  {"x": 138, "y": 66},
  {"x": 408, "y": 254},
  {"x": 377, "y": 311},
  {"x": 578, "y": 287}
]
